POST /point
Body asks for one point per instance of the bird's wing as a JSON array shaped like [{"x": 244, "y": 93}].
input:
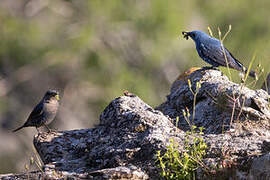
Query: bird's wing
[
  {"x": 240, "y": 65},
  {"x": 37, "y": 111},
  {"x": 214, "y": 52}
]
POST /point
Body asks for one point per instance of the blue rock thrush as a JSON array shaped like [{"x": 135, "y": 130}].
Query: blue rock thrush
[
  {"x": 210, "y": 50},
  {"x": 44, "y": 112}
]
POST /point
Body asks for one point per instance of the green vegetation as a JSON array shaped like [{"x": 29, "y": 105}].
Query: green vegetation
[
  {"x": 183, "y": 165},
  {"x": 176, "y": 165}
]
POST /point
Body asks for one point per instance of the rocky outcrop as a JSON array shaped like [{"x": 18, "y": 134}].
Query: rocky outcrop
[
  {"x": 124, "y": 144},
  {"x": 216, "y": 101}
]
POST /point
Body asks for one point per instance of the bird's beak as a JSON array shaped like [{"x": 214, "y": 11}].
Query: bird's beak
[
  {"x": 57, "y": 97},
  {"x": 186, "y": 34}
]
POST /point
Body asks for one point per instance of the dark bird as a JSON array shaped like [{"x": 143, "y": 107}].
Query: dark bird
[
  {"x": 211, "y": 51},
  {"x": 44, "y": 112},
  {"x": 266, "y": 84}
]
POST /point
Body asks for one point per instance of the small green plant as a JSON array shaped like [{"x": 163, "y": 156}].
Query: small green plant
[
  {"x": 26, "y": 167},
  {"x": 34, "y": 160},
  {"x": 195, "y": 93},
  {"x": 176, "y": 165},
  {"x": 238, "y": 101},
  {"x": 223, "y": 49},
  {"x": 246, "y": 71}
]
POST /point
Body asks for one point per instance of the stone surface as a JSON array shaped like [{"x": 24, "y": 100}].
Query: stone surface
[
  {"x": 215, "y": 102},
  {"x": 129, "y": 134},
  {"x": 124, "y": 144}
]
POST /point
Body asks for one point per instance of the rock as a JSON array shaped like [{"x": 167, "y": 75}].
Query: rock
[
  {"x": 215, "y": 102},
  {"x": 129, "y": 134},
  {"x": 124, "y": 144},
  {"x": 30, "y": 175},
  {"x": 260, "y": 168}
]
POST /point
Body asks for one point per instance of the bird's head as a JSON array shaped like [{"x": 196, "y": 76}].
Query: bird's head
[
  {"x": 195, "y": 35},
  {"x": 51, "y": 95}
]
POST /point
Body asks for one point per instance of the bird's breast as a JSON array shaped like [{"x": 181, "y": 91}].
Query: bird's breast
[{"x": 50, "y": 109}]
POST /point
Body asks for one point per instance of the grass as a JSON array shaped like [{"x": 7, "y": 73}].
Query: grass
[
  {"x": 34, "y": 161},
  {"x": 236, "y": 98}
]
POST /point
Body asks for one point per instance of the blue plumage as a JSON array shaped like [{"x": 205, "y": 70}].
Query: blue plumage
[{"x": 211, "y": 51}]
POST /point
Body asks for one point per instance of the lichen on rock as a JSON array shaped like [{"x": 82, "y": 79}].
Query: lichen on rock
[{"x": 124, "y": 144}]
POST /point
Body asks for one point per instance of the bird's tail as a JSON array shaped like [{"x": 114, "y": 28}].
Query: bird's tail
[
  {"x": 252, "y": 74},
  {"x": 18, "y": 128}
]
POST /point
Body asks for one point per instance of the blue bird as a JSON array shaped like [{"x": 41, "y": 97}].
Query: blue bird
[{"x": 211, "y": 51}]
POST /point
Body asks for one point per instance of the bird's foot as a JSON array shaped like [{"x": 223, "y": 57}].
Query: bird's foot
[
  {"x": 37, "y": 130},
  {"x": 215, "y": 68},
  {"x": 211, "y": 67},
  {"x": 50, "y": 130},
  {"x": 53, "y": 131}
]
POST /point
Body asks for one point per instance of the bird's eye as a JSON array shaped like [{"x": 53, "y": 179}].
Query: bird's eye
[{"x": 193, "y": 35}]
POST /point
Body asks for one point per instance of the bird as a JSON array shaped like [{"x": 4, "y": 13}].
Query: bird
[
  {"x": 211, "y": 50},
  {"x": 44, "y": 112},
  {"x": 266, "y": 84}
]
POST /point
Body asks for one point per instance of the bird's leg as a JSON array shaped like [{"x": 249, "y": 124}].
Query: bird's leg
[
  {"x": 214, "y": 67},
  {"x": 208, "y": 67},
  {"x": 49, "y": 130},
  {"x": 37, "y": 130}
]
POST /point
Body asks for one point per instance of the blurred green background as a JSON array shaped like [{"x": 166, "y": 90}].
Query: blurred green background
[{"x": 91, "y": 51}]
